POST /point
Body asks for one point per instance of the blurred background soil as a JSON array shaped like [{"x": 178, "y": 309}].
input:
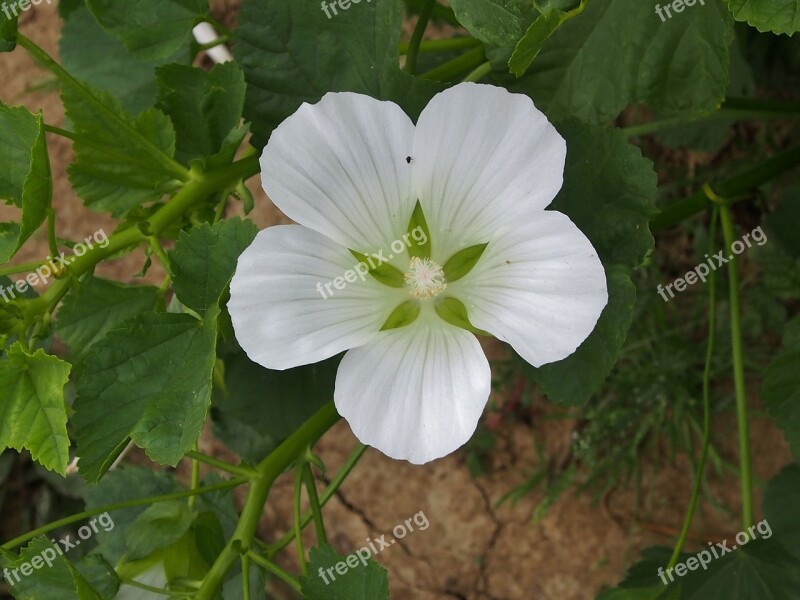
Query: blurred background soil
[{"x": 473, "y": 549}]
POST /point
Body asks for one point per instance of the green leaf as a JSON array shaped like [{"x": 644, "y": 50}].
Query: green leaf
[
  {"x": 367, "y": 580},
  {"x": 128, "y": 78},
  {"x": 95, "y": 308},
  {"x": 496, "y": 22},
  {"x": 33, "y": 415},
  {"x": 603, "y": 167},
  {"x": 51, "y": 576},
  {"x": 205, "y": 106},
  {"x": 785, "y": 221},
  {"x": 204, "y": 260},
  {"x": 291, "y": 53},
  {"x": 462, "y": 262},
  {"x": 382, "y": 271},
  {"x": 418, "y": 226},
  {"x": 263, "y": 407},
  {"x": 642, "y": 581},
  {"x": 454, "y": 312},
  {"x": 159, "y": 526},
  {"x": 25, "y": 178},
  {"x": 618, "y": 52},
  {"x": 776, "y": 16},
  {"x": 121, "y": 485},
  {"x": 151, "y": 29},
  {"x": 8, "y": 33},
  {"x": 403, "y": 315},
  {"x": 781, "y": 500},
  {"x": 538, "y": 33},
  {"x": 781, "y": 392},
  {"x": 149, "y": 380}
]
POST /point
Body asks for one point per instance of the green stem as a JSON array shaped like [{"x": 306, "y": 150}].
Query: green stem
[
  {"x": 316, "y": 509},
  {"x": 298, "y": 530},
  {"x": 246, "y": 576},
  {"x": 268, "y": 470},
  {"x": 731, "y": 108},
  {"x": 62, "y": 132},
  {"x": 221, "y": 464},
  {"x": 225, "y": 485},
  {"x": 737, "y": 348},
  {"x": 735, "y": 186},
  {"x": 271, "y": 567},
  {"x": 21, "y": 268},
  {"x": 416, "y": 37},
  {"x": 701, "y": 463},
  {"x": 195, "y": 479},
  {"x": 329, "y": 493},
  {"x": 446, "y": 45},
  {"x": 153, "y": 590},
  {"x": 480, "y": 72},
  {"x": 462, "y": 64},
  {"x": 158, "y": 250}
]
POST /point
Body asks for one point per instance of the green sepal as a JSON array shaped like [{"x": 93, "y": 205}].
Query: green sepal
[
  {"x": 462, "y": 262},
  {"x": 385, "y": 273},
  {"x": 418, "y": 221},
  {"x": 454, "y": 312},
  {"x": 403, "y": 315}
]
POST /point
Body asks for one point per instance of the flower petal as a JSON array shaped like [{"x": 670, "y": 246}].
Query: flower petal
[
  {"x": 538, "y": 286},
  {"x": 415, "y": 393},
  {"x": 339, "y": 167},
  {"x": 482, "y": 156},
  {"x": 285, "y": 309}
]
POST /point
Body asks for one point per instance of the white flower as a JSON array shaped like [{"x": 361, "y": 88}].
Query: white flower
[{"x": 483, "y": 164}]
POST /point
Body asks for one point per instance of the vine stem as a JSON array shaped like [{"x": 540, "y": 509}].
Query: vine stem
[
  {"x": 737, "y": 348},
  {"x": 416, "y": 37},
  {"x": 464, "y": 63},
  {"x": 267, "y": 471},
  {"x": 221, "y": 464},
  {"x": 701, "y": 463},
  {"x": 298, "y": 530},
  {"x": 271, "y": 567},
  {"x": 443, "y": 45},
  {"x": 226, "y": 485},
  {"x": 316, "y": 509}
]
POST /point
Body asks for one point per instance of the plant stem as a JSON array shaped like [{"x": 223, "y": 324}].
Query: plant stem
[
  {"x": 429, "y": 46},
  {"x": 221, "y": 464},
  {"x": 416, "y": 37},
  {"x": 268, "y": 470},
  {"x": 275, "y": 570},
  {"x": 316, "y": 509},
  {"x": 298, "y": 530},
  {"x": 62, "y": 132},
  {"x": 451, "y": 69},
  {"x": 738, "y": 372},
  {"x": 225, "y": 485},
  {"x": 246, "y": 576},
  {"x": 329, "y": 493},
  {"x": 730, "y": 188},
  {"x": 701, "y": 463},
  {"x": 195, "y": 478},
  {"x": 480, "y": 72},
  {"x": 21, "y": 268}
]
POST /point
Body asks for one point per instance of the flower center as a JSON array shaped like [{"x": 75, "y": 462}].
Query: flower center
[{"x": 425, "y": 278}]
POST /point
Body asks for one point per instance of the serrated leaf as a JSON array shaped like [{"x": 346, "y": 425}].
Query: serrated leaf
[
  {"x": 618, "y": 52},
  {"x": 204, "y": 260},
  {"x": 95, "y": 308},
  {"x": 776, "y": 16},
  {"x": 462, "y": 262},
  {"x": 159, "y": 526},
  {"x": 263, "y": 407},
  {"x": 496, "y": 22},
  {"x": 33, "y": 415},
  {"x": 781, "y": 392},
  {"x": 362, "y": 582},
  {"x": 204, "y": 106},
  {"x": 292, "y": 53},
  {"x": 151, "y": 29},
  {"x": 537, "y": 34},
  {"x": 149, "y": 380},
  {"x": 128, "y": 78},
  {"x": 25, "y": 178}
]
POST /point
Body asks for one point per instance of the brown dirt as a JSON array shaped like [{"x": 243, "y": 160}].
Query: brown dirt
[{"x": 473, "y": 549}]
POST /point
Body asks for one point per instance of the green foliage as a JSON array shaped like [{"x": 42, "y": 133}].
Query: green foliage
[
  {"x": 25, "y": 179},
  {"x": 8, "y": 34},
  {"x": 159, "y": 526},
  {"x": 32, "y": 411},
  {"x": 497, "y": 22},
  {"x": 776, "y": 16},
  {"x": 360, "y": 581},
  {"x": 781, "y": 391}
]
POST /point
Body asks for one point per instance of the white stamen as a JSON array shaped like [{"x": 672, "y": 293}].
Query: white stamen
[{"x": 425, "y": 278}]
